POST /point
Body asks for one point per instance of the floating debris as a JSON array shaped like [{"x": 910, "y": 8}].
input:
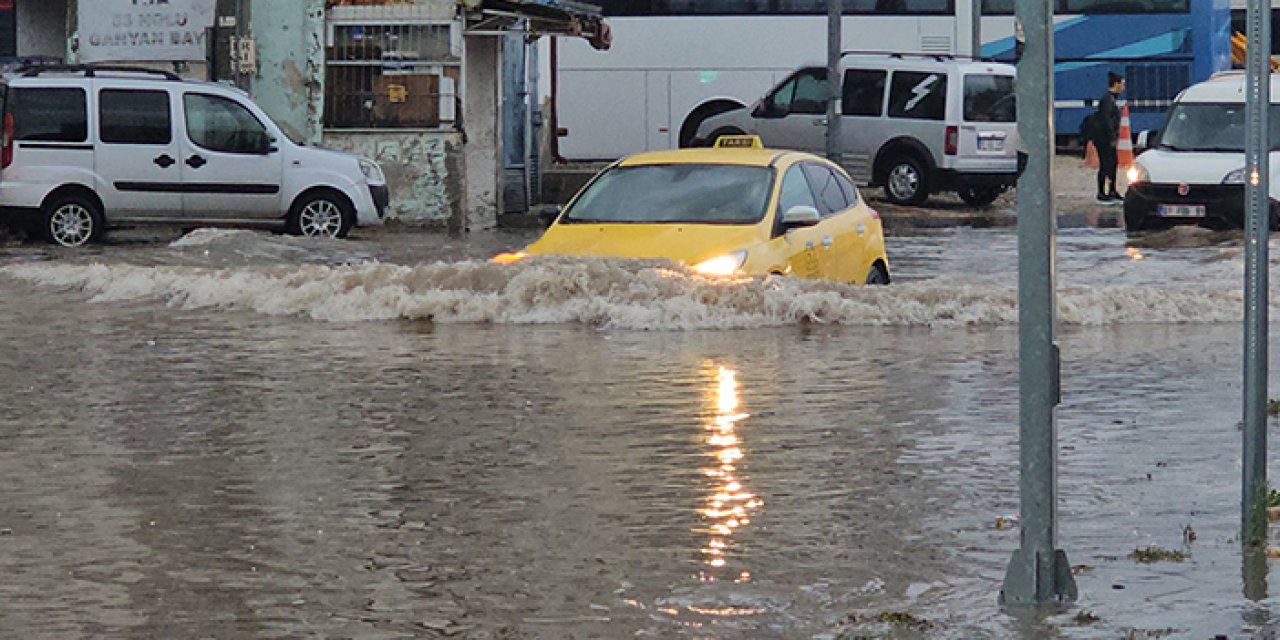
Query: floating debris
[{"x": 1153, "y": 554}]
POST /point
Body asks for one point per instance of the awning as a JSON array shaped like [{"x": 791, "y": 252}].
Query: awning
[{"x": 538, "y": 17}]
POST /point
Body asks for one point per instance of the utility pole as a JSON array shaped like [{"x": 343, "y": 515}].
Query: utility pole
[
  {"x": 976, "y": 32},
  {"x": 835, "y": 9},
  {"x": 1039, "y": 572},
  {"x": 1253, "y": 502}
]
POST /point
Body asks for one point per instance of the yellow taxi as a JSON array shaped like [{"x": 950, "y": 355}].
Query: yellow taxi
[{"x": 737, "y": 208}]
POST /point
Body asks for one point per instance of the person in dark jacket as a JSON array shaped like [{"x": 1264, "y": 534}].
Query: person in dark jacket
[{"x": 1106, "y": 130}]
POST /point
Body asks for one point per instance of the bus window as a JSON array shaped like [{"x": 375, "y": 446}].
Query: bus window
[
  {"x": 619, "y": 8},
  {"x": 917, "y": 95},
  {"x": 863, "y": 92},
  {"x": 1123, "y": 6}
]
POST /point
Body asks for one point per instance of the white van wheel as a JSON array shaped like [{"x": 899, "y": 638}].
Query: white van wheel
[
  {"x": 905, "y": 182},
  {"x": 72, "y": 221},
  {"x": 321, "y": 215}
]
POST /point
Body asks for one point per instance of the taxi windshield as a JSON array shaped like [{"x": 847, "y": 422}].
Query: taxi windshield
[{"x": 676, "y": 193}]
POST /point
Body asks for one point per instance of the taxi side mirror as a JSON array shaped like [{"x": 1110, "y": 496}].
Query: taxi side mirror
[{"x": 800, "y": 216}]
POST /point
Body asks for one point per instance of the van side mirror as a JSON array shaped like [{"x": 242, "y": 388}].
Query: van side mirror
[
  {"x": 800, "y": 216},
  {"x": 265, "y": 144},
  {"x": 548, "y": 213}
]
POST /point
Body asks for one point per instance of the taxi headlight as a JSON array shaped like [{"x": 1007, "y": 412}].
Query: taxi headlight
[
  {"x": 725, "y": 265},
  {"x": 1137, "y": 174},
  {"x": 372, "y": 172},
  {"x": 1234, "y": 177}
]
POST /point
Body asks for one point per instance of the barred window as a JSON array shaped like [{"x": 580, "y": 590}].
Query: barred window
[{"x": 392, "y": 74}]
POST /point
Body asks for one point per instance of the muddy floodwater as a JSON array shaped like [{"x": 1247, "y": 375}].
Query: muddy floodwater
[{"x": 239, "y": 435}]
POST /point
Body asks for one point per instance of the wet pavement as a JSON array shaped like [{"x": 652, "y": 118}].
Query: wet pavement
[{"x": 243, "y": 435}]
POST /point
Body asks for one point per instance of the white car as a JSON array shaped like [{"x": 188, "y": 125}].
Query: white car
[
  {"x": 87, "y": 148},
  {"x": 914, "y": 124},
  {"x": 1193, "y": 172}
]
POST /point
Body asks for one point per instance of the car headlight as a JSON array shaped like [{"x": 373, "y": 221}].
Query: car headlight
[
  {"x": 1137, "y": 174},
  {"x": 725, "y": 265},
  {"x": 1234, "y": 177},
  {"x": 372, "y": 172}
]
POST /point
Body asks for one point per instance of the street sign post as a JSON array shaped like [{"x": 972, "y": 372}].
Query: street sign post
[
  {"x": 835, "y": 9},
  {"x": 1253, "y": 502},
  {"x": 1039, "y": 572}
]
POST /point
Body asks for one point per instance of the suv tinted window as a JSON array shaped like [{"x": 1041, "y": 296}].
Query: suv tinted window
[
  {"x": 830, "y": 196},
  {"x": 918, "y": 95},
  {"x": 134, "y": 117},
  {"x": 863, "y": 92},
  {"x": 220, "y": 124},
  {"x": 989, "y": 99},
  {"x": 49, "y": 115},
  {"x": 806, "y": 93}
]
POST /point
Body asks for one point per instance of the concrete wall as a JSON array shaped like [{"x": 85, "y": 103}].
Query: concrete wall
[
  {"x": 481, "y": 85},
  {"x": 422, "y": 171},
  {"x": 290, "y": 80},
  {"x": 42, "y": 27}
]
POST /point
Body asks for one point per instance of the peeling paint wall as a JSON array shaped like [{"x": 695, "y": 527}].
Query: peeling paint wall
[
  {"x": 423, "y": 188},
  {"x": 290, "y": 80},
  {"x": 42, "y": 28}
]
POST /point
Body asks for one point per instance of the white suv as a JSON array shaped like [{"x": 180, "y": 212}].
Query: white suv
[
  {"x": 914, "y": 124},
  {"x": 85, "y": 148}
]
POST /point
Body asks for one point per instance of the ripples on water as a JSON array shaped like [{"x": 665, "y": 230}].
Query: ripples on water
[{"x": 227, "y": 466}]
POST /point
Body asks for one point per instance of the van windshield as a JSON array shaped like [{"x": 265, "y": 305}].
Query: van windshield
[
  {"x": 1212, "y": 127},
  {"x": 989, "y": 98},
  {"x": 676, "y": 193}
]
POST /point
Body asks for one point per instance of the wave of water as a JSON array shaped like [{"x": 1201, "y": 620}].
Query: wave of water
[{"x": 611, "y": 293}]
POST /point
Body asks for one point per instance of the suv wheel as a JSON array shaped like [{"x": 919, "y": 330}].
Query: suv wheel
[
  {"x": 321, "y": 215},
  {"x": 905, "y": 181},
  {"x": 979, "y": 196},
  {"x": 72, "y": 221}
]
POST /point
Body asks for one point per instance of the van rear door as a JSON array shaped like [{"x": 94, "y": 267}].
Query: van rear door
[{"x": 989, "y": 131}]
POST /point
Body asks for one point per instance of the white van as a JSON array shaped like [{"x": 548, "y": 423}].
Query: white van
[
  {"x": 914, "y": 124},
  {"x": 1193, "y": 170},
  {"x": 87, "y": 148}
]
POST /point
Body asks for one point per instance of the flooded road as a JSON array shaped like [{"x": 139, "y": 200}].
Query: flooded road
[{"x": 244, "y": 435}]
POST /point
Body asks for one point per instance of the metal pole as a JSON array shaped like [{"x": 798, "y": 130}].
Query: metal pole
[
  {"x": 835, "y": 8},
  {"x": 1253, "y": 504},
  {"x": 1039, "y": 572},
  {"x": 977, "y": 30}
]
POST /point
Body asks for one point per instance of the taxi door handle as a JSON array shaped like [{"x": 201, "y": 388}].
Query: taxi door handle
[{"x": 826, "y": 242}]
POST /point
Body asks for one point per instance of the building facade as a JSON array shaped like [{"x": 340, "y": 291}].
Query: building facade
[{"x": 417, "y": 85}]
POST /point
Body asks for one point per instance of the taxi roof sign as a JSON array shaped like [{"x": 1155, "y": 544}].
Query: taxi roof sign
[{"x": 739, "y": 142}]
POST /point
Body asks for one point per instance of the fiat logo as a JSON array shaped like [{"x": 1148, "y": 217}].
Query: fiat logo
[{"x": 1184, "y": 189}]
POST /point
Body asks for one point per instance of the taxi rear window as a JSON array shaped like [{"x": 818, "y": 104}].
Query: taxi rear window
[{"x": 676, "y": 193}]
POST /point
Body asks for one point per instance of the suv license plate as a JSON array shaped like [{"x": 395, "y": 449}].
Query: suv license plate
[
  {"x": 1181, "y": 211},
  {"x": 990, "y": 144}
]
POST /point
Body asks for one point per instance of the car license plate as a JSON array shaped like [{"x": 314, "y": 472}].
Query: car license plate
[
  {"x": 990, "y": 144},
  {"x": 1181, "y": 211}
]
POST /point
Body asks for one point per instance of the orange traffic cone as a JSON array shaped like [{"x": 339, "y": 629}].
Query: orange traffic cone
[
  {"x": 1124, "y": 145},
  {"x": 1090, "y": 156}
]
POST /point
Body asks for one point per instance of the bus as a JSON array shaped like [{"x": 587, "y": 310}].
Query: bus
[{"x": 674, "y": 63}]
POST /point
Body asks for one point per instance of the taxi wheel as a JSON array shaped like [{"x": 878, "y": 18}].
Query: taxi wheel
[
  {"x": 321, "y": 214},
  {"x": 72, "y": 221},
  {"x": 905, "y": 181},
  {"x": 877, "y": 275},
  {"x": 979, "y": 196}
]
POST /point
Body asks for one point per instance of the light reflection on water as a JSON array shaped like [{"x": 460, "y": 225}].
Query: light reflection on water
[{"x": 729, "y": 505}]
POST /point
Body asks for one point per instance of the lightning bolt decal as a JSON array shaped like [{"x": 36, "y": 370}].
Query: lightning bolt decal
[{"x": 920, "y": 91}]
